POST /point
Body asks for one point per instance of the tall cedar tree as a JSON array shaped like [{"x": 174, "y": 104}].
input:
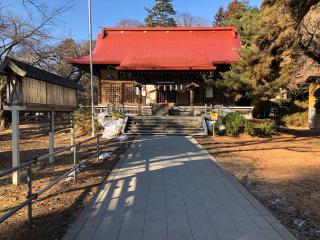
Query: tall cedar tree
[{"x": 161, "y": 14}]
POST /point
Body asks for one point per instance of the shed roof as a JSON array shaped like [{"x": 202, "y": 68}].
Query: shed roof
[
  {"x": 162, "y": 48},
  {"x": 24, "y": 69}
]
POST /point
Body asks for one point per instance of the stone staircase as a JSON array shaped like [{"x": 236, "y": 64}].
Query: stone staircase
[{"x": 169, "y": 125}]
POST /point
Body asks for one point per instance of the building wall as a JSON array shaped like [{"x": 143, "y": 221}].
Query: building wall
[
  {"x": 151, "y": 94},
  {"x": 39, "y": 92}
]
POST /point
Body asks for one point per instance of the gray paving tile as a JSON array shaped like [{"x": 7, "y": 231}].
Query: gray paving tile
[
  {"x": 174, "y": 191},
  {"x": 175, "y": 204},
  {"x": 222, "y": 221},
  {"x": 130, "y": 235},
  {"x": 191, "y": 197},
  {"x": 156, "y": 225},
  {"x": 272, "y": 235},
  {"x": 151, "y": 235},
  {"x": 86, "y": 233},
  {"x": 202, "y": 230},
  {"x": 133, "y": 220},
  {"x": 212, "y": 204},
  {"x": 197, "y": 211},
  {"x": 156, "y": 197},
  {"x": 108, "y": 229},
  {"x": 250, "y": 230},
  {"x": 262, "y": 222},
  {"x": 177, "y": 221},
  {"x": 229, "y": 235},
  {"x": 156, "y": 211},
  {"x": 179, "y": 235}
]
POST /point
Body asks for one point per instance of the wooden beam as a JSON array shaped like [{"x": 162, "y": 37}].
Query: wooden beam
[{"x": 17, "y": 70}]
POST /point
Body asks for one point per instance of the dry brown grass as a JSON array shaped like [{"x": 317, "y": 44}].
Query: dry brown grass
[{"x": 282, "y": 171}]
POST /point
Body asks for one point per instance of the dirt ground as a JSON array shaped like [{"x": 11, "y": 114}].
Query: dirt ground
[
  {"x": 283, "y": 172},
  {"x": 55, "y": 210}
]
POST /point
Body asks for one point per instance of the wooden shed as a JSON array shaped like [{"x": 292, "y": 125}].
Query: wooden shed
[
  {"x": 29, "y": 88},
  {"x": 33, "y": 89}
]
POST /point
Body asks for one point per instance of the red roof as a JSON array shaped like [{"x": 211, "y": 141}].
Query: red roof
[{"x": 176, "y": 48}]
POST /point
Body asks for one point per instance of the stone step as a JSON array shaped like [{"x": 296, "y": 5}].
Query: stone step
[
  {"x": 167, "y": 124},
  {"x": 166, "y": 120},
  {"x": 170, "y": 125},
  {"x": 159, "y": 128},
  {"x": 193, "y": 133},
  {"x": 165, "y": 117}
]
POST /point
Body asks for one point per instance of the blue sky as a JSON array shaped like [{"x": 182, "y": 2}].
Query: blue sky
[{"x": 109, "y": 12}]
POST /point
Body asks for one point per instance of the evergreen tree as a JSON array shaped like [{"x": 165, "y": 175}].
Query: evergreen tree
[
  {"x": 161, "y": 14},
  {"x": 219, "y": 17},
  {"x": 271, "y": 56},
  {"x": 240, "y": 15}
]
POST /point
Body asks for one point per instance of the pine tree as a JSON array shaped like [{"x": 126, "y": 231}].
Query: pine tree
[
  {"x": 161, "y": 14},
  {"x": 271, "y": 52},
  {"x": 219, "y": 17}
]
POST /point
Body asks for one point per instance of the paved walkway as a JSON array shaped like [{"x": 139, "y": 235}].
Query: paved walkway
[{"x": 168, "y": 187}]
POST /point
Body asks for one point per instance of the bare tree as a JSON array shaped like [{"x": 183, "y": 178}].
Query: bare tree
[
  {"x": 187, "y": 20},
  {"x": 18, "y": 33},
  {"x": 129, "y": 23},
  {"x": 26, "y": 38}
]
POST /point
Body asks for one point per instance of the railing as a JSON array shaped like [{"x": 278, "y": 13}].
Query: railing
[
  {"x": 28, "y": 165},
  {"x": 126, "y": 109}
]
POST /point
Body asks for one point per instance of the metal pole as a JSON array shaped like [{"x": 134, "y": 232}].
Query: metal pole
[
  {"x": 91, "y": 68},
  {"x": 29, "y": 181}
]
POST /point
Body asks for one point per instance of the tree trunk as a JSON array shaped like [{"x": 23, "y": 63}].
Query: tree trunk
[{"x": 5, "y": 117}]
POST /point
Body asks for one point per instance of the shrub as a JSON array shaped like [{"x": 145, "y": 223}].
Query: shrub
[
  {"x": 299, "y": 119},
  {"x": 267, "y": 129},
  {"x": 262, "y": 109},
  {"x": 83, "y": 120},
  {"x": 234, "y": 123},
  {"x": 249, "y": 127}
]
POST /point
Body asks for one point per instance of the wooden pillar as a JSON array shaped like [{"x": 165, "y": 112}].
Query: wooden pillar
[
  {"x": 191, "y": 101},
  {"x": 51, "y": 135},
  {"x": 140, "y": 100},
  {"x": 15, "y": 145},
  {"x": 157, "y": 95}
]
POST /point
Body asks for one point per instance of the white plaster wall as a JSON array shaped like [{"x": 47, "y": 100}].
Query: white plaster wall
[{"x": 151, "y": 94}]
